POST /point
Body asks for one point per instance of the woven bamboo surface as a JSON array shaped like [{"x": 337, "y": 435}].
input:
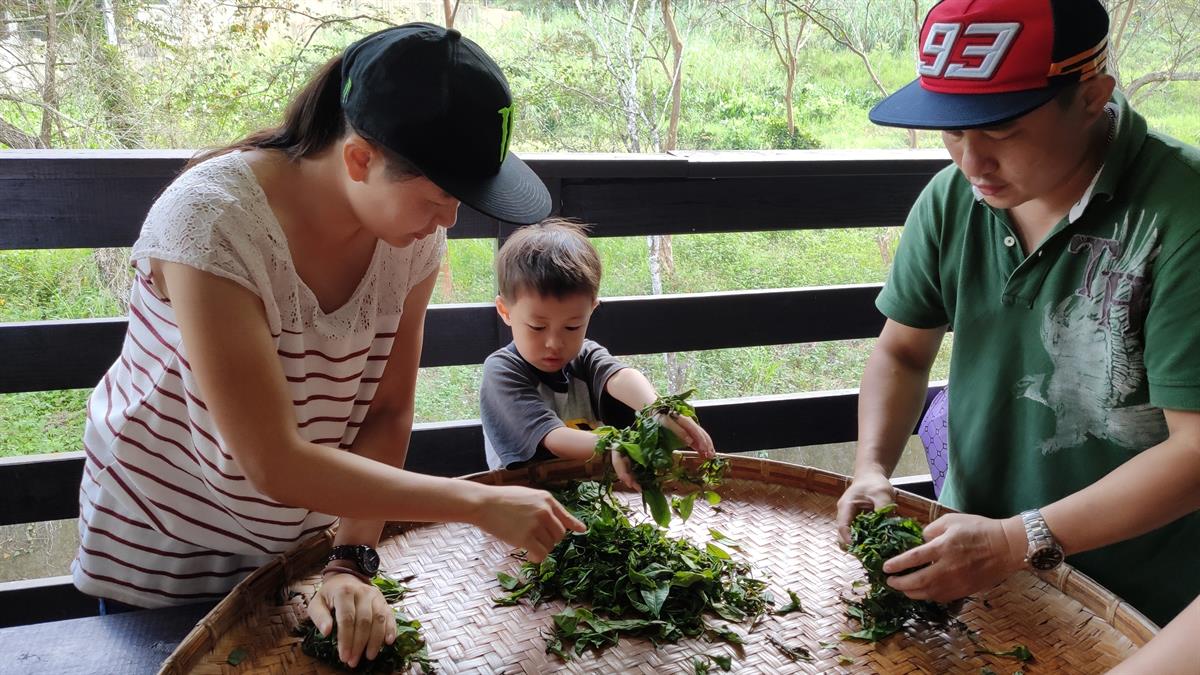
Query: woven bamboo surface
[{"x": 783, "y": 518}]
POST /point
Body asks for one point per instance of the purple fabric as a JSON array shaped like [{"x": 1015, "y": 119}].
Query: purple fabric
[{"x": 935, "y": 435}]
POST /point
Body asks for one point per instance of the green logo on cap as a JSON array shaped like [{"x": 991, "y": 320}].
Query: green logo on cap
[
  {"x": 506, "y": 123},
  {"x": 346, "y": 89}
]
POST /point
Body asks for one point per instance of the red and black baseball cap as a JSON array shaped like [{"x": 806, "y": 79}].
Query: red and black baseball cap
[
  {"x": 986, "y": 62},
  {"x": 439, "y": 101}
]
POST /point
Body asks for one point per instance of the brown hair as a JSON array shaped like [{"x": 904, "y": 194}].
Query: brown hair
[
  {"x": 312, "y": 123},
  {"x": 553, "y": 257}
]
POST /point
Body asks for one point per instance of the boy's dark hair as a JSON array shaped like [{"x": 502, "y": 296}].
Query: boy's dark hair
[{"x": 553, "y": 257}]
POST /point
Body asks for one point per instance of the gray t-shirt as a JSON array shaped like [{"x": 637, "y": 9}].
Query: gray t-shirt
[{"x": 520, "y": 404}]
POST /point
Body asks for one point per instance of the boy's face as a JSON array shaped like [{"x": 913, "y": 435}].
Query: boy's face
[{"x": 547, "y": 331}]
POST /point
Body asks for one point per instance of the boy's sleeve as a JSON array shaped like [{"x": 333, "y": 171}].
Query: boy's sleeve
[
  {"x": 913, "y": 294},
  {"x": 596, "y": 367},
  {"x": 515, "y": 418},
  {"x": 1173, "y": 329}
]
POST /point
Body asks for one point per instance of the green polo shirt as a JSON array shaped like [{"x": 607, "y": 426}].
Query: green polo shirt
[{"x": 1064, "y": 358}]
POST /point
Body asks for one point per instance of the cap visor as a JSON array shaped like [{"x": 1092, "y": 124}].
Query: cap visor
[
  {"x": 914, "y": 107},
  {"x": 514, "y": 195}
]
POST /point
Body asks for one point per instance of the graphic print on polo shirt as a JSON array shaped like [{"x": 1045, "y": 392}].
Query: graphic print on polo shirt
[{"x": 1095, "y": 343}]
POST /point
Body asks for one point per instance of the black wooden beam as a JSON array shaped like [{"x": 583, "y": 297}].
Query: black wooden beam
[
  {"x": 34, "y": 488},
  {"x": 46, "y": 487},
  {"x": 52, "y": 355},
  {"x": 96, "y": 199},
  {"x": 38, "y": 600}
]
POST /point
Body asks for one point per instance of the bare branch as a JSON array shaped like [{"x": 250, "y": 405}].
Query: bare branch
[
  {"x": 1161, "y": 76},
  {"x": 14, "y": 138}
]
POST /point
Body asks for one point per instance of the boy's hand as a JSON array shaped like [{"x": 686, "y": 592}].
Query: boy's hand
[
  {"x": 624, "y": 471},
  {"x": 691, "y": 433}
]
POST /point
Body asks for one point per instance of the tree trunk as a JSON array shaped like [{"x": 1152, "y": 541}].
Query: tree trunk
[
  {"x": 108, "y": 7},
  {"x": 49, "y": 93},
  {"x": 449, "y": 10},
  {"x": 16, "y": 139},
  {"x": 666, "y": 251},
  {"x": 789, "y": 97},
  {"x": 676, "y": 74},
  {"x": 1118, "y": 36}
]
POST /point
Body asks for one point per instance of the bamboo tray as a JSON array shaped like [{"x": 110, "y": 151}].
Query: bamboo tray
[{"x": 783, "y": 518}]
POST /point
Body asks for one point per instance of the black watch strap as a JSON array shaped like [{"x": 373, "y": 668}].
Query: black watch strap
[{"x": 363, "y": 558}]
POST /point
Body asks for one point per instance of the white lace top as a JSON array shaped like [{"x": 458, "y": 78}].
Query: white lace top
[{"x": 166, "y": 513}]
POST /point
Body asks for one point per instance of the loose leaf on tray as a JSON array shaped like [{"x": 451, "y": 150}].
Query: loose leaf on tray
[
  {"x": 621, "y": 578},
  {"x": 1018, "y": 652}
]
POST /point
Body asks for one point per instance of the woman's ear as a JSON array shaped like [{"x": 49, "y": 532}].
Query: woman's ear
[{"x": 357, "y": 154}]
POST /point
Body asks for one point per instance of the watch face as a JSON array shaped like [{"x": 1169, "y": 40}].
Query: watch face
[
  {"x": 368, "y": 560},
  {"x": 1046, "y": 558}
]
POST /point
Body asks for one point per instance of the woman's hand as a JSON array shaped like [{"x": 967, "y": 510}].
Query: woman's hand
[
  {"x": 363, "y": 618},
  {"x": 525, "y": 518},
  {"x": 867, "y": 492}
]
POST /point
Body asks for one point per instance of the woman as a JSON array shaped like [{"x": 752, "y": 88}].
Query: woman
[{"x": 265, "y": 386}]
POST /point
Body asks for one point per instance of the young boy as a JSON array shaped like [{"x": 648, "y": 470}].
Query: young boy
[{"x": 544, "y": 393}]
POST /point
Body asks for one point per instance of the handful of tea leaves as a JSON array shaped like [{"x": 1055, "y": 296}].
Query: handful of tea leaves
[
  {"x": 634, "y": 580},
  {"x": 875, "y": 537},
  {"x": 407, "y": 650},
  {"x": 650, "y": 447}
]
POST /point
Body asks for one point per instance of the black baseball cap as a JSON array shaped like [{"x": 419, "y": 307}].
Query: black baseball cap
[
  {"x": 439, "y": 101},
  {"x": 986, "y": 62}
]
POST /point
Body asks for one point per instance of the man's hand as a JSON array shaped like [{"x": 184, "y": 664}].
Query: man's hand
[
  {"x": 867, "y": 492},
  {"x": 962, "y": 554}
]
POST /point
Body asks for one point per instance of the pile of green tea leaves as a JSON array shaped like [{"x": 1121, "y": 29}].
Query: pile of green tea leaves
[
  {"x": 875, "y": 537},
  {"x": 625, "y": 579},
  {"x": 650, "y": 447},
  {"x": 408, "y": 649}
]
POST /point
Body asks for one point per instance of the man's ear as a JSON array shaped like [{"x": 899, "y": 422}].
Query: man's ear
[
  {"x": 357, "y": 154},
  {"x": 1096, "y": 93},
  {"x": 502, "y": 310}
]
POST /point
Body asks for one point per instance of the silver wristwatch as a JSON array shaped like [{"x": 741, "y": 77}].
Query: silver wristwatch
[{"x": 1044, "y": 552}]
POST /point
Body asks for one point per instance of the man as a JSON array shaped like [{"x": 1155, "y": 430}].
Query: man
[{"x": 1063, "y": 249}]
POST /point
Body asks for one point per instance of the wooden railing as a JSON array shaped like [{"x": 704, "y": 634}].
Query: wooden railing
[{"x": 52, "y": 199}]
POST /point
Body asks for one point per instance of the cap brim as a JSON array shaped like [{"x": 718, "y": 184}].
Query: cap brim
[
  {"x": 914, "y": 107},
  {"x": 514, "y": 195}
]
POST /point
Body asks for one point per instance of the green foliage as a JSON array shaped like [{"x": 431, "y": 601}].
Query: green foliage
[
  {"x": 876, "y": 537},
  {"x": 408, "y": 649},
  {"x": 625, "y": 579},
  {"x": 187, "y": 76},
  {"x": 650, "y": 448}
]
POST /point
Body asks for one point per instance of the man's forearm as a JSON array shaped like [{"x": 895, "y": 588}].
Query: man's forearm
[
  {"x": 890, "y": 401},
  {"x": 1174, "y": 651},
  {"x": 1153, "y": 488}
]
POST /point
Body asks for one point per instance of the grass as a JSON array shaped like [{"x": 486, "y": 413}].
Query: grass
[
  {"x": 41, "y": 285},
  {"x": 732, "y": 99}
]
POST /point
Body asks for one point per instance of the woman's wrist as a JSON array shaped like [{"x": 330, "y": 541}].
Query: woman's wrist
[{"x": 338, "y": 567}]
